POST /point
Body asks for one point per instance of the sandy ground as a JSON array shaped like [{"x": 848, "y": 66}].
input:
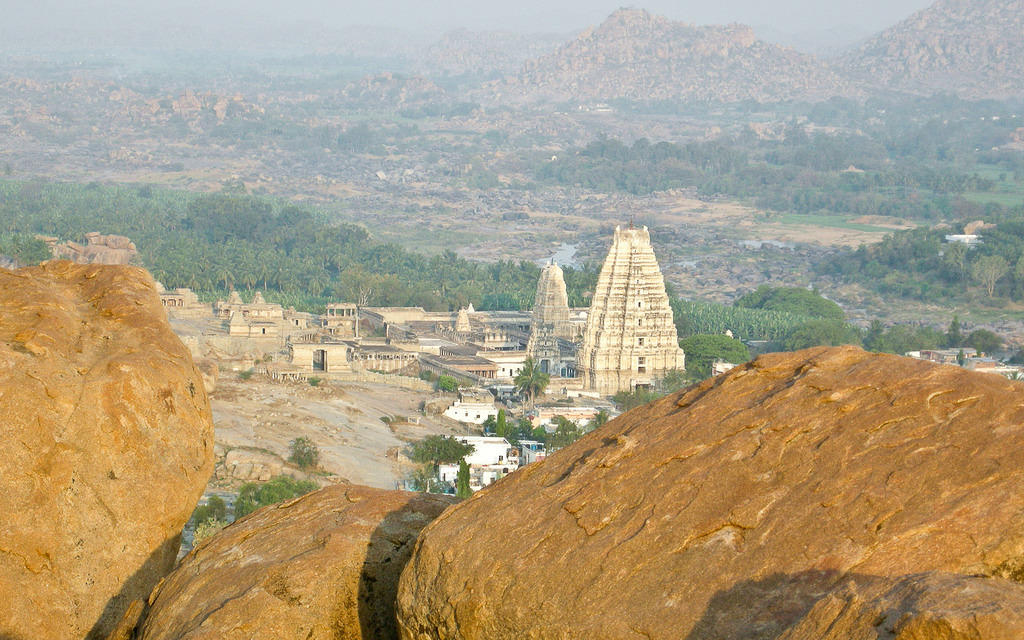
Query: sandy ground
[{"x": 344, "y": 421}]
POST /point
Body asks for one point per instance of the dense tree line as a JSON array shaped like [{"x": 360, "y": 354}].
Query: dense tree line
[
  {"x": 920, "y": 264},
  {"x": 910, "y": 159},
  {"x": 214, "y": 243}
]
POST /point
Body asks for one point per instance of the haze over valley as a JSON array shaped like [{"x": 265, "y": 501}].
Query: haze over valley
[{"x": 707, "y": 318}]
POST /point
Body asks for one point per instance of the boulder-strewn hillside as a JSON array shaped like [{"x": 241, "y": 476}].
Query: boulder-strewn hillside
[
  {"x": 972, "y": 47},
  {"x": 107, "y": 445},
  {"x": 639, "y": 56},
  {"x": 829, "y": 489}
]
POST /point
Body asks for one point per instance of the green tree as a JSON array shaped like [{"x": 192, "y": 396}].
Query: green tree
[
  {"x": 988, "y": 270},
  {"x": 531, "y": 381},
  {"x": 490, "y": 425},
  {"x": 955, "y": 334},
  {"x": 462, "y": 489},
  {"x": 253, "y": 496},
  {"x": 598, "y": 421},
  {"x": 214, "y": 509},
  {"x": 304, "y": 453},
  {"x": 439, "y": 449},
  {"x": 566, "y": 432},
  {"x": 501, "y": 424},
  {"x": 447, "y": 383},
  {"x": 794, "y": 300},
  {"x": 984, "y": 341},
  {"x": 821, "y": 332},
  {"x": 703, "y": 349},
  {"x": 640, "y": 396},
  {"x": 673, "y": 380}
]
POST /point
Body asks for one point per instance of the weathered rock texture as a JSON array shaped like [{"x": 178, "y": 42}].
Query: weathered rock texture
[
  {"x": 928, "y": 606},
  {"x": 108, "y": 443},
  {"x": 728, "y": 510},
  {"x": 974, "y": 48},
  {"x": 323, "y": 566},
  {"x": 630, "y": 338},
  {"x": 635, "y": 55}
]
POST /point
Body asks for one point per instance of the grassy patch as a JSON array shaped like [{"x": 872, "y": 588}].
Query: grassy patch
[{"x": 835, "y": 222}]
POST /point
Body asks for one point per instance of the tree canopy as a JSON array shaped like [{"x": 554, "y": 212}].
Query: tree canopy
[
  {"x": 795, "y": 300},
  {"x": 439, "y": 450},
  {"x": 702, "y": 350}
]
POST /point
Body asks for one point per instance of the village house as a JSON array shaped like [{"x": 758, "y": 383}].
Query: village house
[
  {"x": 491, "y": 459},
  {"x": 474, "y": 406}
]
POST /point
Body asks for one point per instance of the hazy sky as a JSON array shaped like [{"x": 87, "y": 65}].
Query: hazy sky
[{"x": 519, "y": 15}]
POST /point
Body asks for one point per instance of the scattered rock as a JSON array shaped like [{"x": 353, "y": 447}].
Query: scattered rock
[
  {"x": 322, "y": 566},
  {"x": 249, "y": 465},
  {"x": 728, "y": 510},
  {"x": 108, "y": 443}
]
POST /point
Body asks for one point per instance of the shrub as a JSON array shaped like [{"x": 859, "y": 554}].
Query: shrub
[
  {"x": 314, "y": 382},
  {"x": 447, "y": 383},
  {"x": 207, "y": 528},
  {"x": 253, "y": 496},
  {"x": 304, "y": 453},
  {"x": 245, "y": 375},
  {"x": 213, "y": 509}
]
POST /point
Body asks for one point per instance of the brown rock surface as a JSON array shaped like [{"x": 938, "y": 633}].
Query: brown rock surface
[
  {"x": 918, "y": 607},
  {"x": 325, "y": 565},
  {"x": 108, "y": 443},
  {"x": 729, "y": 509}
]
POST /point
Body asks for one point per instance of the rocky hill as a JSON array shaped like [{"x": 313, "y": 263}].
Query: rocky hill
[
  {"x": 643, "y": 57},
  {"x": 974, "y": 48}
]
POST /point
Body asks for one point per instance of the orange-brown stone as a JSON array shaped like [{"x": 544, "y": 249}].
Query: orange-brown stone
[
  {"x": 108, "y": 443},
  {"x": 728, "y": 510}
]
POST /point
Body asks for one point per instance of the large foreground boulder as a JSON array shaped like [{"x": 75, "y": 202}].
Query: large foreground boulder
[
  {"x": 107, "y": 445},
  {"x": 728, "y": 510},
  {"x": 324, "y": 566}
]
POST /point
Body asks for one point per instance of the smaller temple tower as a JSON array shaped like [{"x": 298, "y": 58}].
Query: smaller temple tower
[
  {"x": 550, "y": 343},
  {"x": 630, "y": 338}
]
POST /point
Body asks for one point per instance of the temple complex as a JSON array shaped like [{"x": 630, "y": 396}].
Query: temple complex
[{"x": 630, "y": 339}]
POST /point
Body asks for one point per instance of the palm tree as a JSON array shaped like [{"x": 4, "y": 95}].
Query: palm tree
[{"x": 531, "y": 380}]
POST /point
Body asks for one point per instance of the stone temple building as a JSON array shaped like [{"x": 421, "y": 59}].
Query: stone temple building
[
  {"x": 630, "y": 339},
  {"x": 550, "y": 343}
]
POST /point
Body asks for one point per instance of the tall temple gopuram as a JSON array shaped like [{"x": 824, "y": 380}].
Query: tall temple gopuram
[
  {"x": 550, "y": 343},
  {"x": 630, "y": 338}
]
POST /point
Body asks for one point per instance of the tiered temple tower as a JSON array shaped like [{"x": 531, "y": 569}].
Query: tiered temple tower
[
  {"x": 630, "y": 338},
  {"x": 550, "y": 323}
]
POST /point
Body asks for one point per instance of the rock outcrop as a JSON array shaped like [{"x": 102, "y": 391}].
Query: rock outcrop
[
  {"x": 323, "y": 566},
  {"x": 918, "y": 607},
  {"x": 972, "y": 48},
  {"x": 98, "y": 249},
  {"x": 108, "y": 443},
  {"x": 635, "y": 55},
  {"x": 730, "y": 509}
]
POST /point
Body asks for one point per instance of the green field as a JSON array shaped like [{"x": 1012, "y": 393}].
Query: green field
[{"x": 835, "y": 222}]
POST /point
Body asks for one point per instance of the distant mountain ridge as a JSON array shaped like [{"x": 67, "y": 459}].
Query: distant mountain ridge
[
  {"x": 974, "y": 48},
  {"x": 635, "y": 55}
]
